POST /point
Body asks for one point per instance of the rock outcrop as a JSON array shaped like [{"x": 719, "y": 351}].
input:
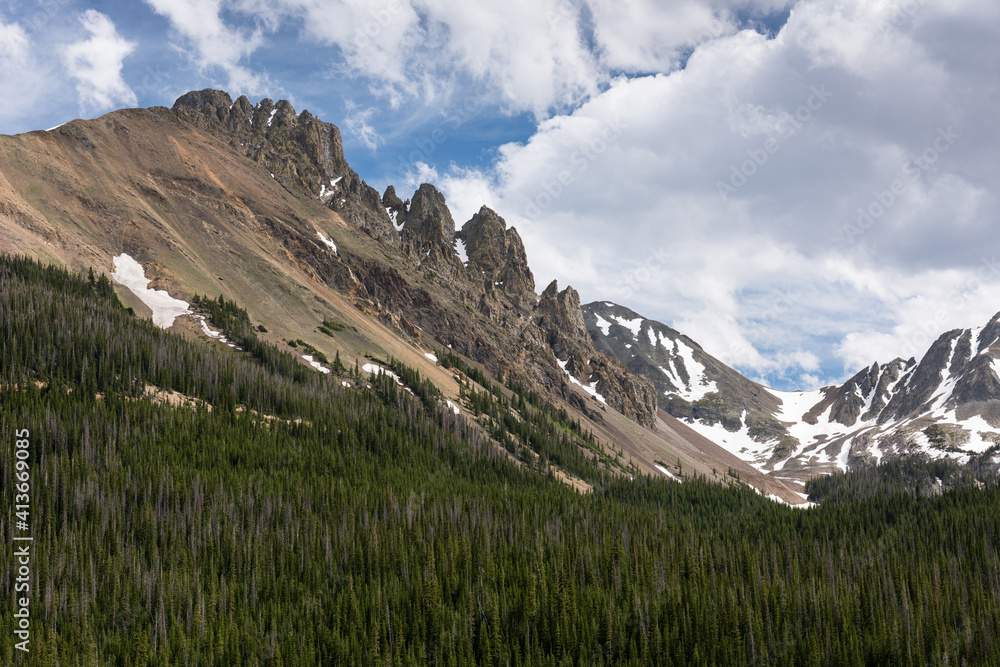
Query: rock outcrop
[
  {"x": 497, "y": 254},
  {"x": 394, "y": 206},
  {"x": 303, "y": 153},
  {"x": 560, "y": 319},
  {"x": 862, "y": 397},
  {"x": 485, "y": 309}
]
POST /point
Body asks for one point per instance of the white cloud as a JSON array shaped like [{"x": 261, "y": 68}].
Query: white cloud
[
  {"x": 537, "y": 56},
  {"x": 20, "y": 80},
  {"x": 96, "y": 64},
  {"x": 14, "y": 44},
  {"x": 805, "y": 128},
  {"x": 356, "y": 122},
  {"x": 648, "y": 36},
  {"x": 212, "y": 45}
]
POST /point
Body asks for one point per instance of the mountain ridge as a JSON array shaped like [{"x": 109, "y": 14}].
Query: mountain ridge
[
  {"x": 947, "y": 405},
  {"x": 256, "y": 203}
]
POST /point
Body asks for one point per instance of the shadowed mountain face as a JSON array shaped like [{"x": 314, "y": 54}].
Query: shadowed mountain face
[
  {"x": 256, "y": 202},
  {"x": 947, "y": 405}
]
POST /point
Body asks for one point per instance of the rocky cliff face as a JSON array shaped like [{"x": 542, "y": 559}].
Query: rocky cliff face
[
  {"x": 428, "y": 232},
  {"x": 559, "y": 316},
  {"x": 689, "y": 382},
  {"x": 303, "y": 153},
  {"x": 497, "y": 254},
  {"x": 863, "y": 397}
]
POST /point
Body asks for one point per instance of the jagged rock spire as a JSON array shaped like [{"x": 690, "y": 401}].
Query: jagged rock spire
[{"x": 497, "y": 253}]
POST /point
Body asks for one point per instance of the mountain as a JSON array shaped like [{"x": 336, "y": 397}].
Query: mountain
[
  {"x": 947, "y": 405},
  {"x": 185, "y": 502},
  {"x": 257, "y": 204},
  {"x": 263, "y": 415}
]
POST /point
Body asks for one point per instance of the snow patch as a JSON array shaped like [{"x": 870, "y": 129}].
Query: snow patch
[
  {"x": 454, "y": 408},
  {"x": 603, "y": 325},
  {"x": 738, "y": 443},
  {"x": 698, "y": 386},
  {"x": 270, "y": 118},
  {"x": 315, "y": 364},
  {"x": 632, "y": 325},
  {"x": 129, "y": 273},
  {"x": 461, "y": 251},
  {"x": 666, "y": 472},
  {"x": 393, "y": 216},
  {"x": 794, "y": 404},
  {"x": 590, "y": 389},
  {"x": 329, "y": 242},
  {"x": 431, "y": 356},
  {"x": 208, "y": 332},
  {"x": 376, "y": 369}
]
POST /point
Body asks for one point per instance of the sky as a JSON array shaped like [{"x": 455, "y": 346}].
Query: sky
[{"x": 804, "y": 188}]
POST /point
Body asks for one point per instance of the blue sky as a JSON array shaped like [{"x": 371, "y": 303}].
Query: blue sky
[{"x": 804, "y": 187}]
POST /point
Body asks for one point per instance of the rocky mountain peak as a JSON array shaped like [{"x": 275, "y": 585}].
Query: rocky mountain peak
[
  {"x": 208, "y": 100},
  {"x": 497, "y": 252},
  {"x": 428, "y": 217},
  {"x": 990, "y": 335},
  {"x": 394, "y": 205},
  {"x": 313, "y": 150},
  {"x": 689, "y": 383},
  {"x": 559, "y": 316},
  {"x": 303, "y": 153},
  {"x": 863, "y": 397},
  {"x": 428, "y": 231}
]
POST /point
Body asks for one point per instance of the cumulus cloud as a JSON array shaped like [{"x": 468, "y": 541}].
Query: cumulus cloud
[
  {"x": 212, "y": 44},
  {"x": 536, "y": 56},
  {"x": 96, "y": 64},
  {"x": 14, "y": 44},
  {"x": 20, "y": 80},
  {"x": 796, "y": 202}
]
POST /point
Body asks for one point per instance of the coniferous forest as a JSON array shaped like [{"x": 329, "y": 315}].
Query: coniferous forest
[{"x": 277, "y": 518}]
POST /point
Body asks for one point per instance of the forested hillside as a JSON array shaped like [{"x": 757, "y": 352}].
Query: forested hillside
[{"x": 259, "y": 516}]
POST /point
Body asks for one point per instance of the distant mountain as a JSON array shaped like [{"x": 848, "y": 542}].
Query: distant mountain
[
  {"x": 945, "y": 406},
  {"x": 257, "y": 203}
]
